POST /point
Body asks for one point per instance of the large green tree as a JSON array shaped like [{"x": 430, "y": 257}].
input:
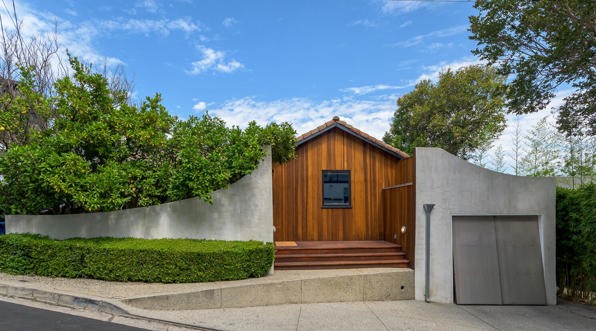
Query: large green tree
[
  {"x": 544, "y": 45},
  {"x": 103, "y": 153},
  {"x": 459, "y": 113}
]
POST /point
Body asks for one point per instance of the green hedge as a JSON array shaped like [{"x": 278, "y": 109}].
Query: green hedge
[
  {"x": 576, "y": 242},
  {"x": 128, "y": 259}
]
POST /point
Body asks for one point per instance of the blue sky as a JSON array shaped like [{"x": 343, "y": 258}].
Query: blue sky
[{"x": 296, "y": 61}]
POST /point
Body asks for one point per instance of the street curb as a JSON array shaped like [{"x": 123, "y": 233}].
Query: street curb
[
  {"x": 61, "y": 299},
  {"x": 78, "y": 302}
]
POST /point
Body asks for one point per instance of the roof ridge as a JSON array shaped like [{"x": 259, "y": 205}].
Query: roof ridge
[{"x": 363, "y": 135}]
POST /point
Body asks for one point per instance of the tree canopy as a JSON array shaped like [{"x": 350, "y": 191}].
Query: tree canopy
[
  {"x": 101, "y": 152},
  {"x": 459, "y": 113},
  {"x": 543, "y": 45}
]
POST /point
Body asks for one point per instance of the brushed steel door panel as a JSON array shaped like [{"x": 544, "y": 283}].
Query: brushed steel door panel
[
  {"x": 520, "y": 260},
  {"x": 475, "y": 261}
]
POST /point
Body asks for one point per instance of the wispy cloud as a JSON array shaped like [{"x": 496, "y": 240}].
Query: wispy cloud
[
  {"x": 406, "y": 23},
  {"x": 404, "y": 6},
  {"x": 434, "y": 34},
  {"x": 229, "y": 22},
  {"x": 366, "y": 89},
  {"x": 213, "y": 60},
  {"x": 147, "y": 26},
  {"x": 432, "y": 71},
  {"x": 437, "y": 46},
  {"x": 371, "y": 116},
  {"x": 365, "y": 23},
  {"x": 78, "y": 39},
  {"x": 149, "y": 5},
  {"x": 71, "y": 12}
]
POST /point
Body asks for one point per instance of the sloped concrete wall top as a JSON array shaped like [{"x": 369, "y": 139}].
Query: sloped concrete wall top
[
  {"x": 242, "y": 211},
  {"x": 459, "y": 188}
]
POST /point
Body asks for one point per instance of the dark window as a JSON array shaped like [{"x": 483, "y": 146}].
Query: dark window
[{"x": 336, "y": 189}]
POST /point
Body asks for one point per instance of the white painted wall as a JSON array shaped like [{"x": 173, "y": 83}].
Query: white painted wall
[
  {"x": 242, "y": 211},
  {"x": 459, "y": 188}
]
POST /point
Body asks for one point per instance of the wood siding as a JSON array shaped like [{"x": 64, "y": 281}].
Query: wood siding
[
  {"x": 398, "y": 210},
  {"x": 297, "y": 189}
]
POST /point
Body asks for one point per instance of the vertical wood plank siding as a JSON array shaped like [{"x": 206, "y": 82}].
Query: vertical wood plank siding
[
  {"x": 297, "y": 189},
  {"x": 398, "y": 210}
]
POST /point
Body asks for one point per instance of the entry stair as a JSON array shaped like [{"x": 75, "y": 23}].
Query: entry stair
[{"x": 295, "y": 255}]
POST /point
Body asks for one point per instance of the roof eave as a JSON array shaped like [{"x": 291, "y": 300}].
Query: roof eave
[{"x": 352, "y": 133}]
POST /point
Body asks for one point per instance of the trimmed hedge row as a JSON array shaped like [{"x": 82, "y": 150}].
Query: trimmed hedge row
[
  {"x": 128, "y": 259},
  {"x": 576, "y": 243}
]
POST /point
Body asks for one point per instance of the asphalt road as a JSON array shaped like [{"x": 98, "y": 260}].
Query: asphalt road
[{"x": 15, "y": 317}]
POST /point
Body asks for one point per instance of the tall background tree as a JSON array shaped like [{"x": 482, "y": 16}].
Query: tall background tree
[
  {"x": 481, "y": 155},
  {"x": 516, "y": 141},
  {"x": 462, "y": 111},
  {"x": 543, "y": 45},
  {"x": 542, "y": 157},
  {"x": 498, "y": 163}
]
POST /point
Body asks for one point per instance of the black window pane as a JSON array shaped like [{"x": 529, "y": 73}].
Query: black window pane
[{"x": 336, "y": 188}]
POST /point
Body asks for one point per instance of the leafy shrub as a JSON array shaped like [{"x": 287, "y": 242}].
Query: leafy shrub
[
  {"x": 101, "y": 152},
  {"x": 576, "y": 242},
  {"x": 127, "y": 259}
]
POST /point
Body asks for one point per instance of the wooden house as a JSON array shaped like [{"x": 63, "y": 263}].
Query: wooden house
[{"x": 346, "y": 200}]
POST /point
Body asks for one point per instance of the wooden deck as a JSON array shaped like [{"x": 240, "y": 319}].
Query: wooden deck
[{"x": 338, "y": 254}]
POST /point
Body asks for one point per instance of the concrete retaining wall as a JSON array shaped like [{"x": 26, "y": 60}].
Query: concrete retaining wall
[
  {"x": 459, "y": 188},
  {"x": 376, "y": 285},
  {"x": 243, "y": 211}
]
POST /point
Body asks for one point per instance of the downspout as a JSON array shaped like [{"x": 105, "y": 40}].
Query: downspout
[{"x": 428, "y": 207}]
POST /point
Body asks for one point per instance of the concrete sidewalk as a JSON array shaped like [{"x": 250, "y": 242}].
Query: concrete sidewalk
[
  {"x": 108, "y": 299},
  {"x": 389, "y": 315}
]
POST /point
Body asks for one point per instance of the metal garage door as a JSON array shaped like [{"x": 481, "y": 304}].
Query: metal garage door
[{"x": 497, "y": 260}]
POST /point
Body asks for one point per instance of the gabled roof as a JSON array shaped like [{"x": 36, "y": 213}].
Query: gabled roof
[{"x": 337, "y": 123}]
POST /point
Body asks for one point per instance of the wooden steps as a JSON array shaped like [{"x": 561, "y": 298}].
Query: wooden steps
[{"x": 339, "y": 255}]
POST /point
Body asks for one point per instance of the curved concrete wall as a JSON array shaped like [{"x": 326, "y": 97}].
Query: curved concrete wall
[
  {"x": 459, "y": 188},
  {"x": 242, "y": 211}
]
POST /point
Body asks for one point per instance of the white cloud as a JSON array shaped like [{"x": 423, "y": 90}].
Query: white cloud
[
  {"x": 436, "y": 46},
  {"x": 229, "y": 66},
  {"x": 71, "y": 12},
  {"x": 78, "y": 39},
  {"x": 405, "y": 6},
  {"x": 366, "y": 89},
  {"x": 432, "y": 72},
  {"x": 229, "y": 22},
  {"x": 371, "y": 116},
  {"x": 365, "y": 23},
  {"x": 406, "y": 23},
  {"x": 146, "y": 26},
  {"x": 200, "y": 106},
  {"x": 149, "y": 5},
  {"x": 434, "y": 34},
  {"x": 213, "y": 60}
]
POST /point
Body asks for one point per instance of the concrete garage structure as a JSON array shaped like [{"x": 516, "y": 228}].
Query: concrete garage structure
[{"x": 464, "y": 192}]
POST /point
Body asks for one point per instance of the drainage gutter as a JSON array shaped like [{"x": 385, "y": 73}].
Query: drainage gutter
[{"x": 428, "y": 207}]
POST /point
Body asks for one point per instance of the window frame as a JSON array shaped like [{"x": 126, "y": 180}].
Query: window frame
[{"x": 343, "y": 206}]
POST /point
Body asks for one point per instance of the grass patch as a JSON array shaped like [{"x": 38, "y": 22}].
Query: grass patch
[{"x": 131, "y": 259}]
